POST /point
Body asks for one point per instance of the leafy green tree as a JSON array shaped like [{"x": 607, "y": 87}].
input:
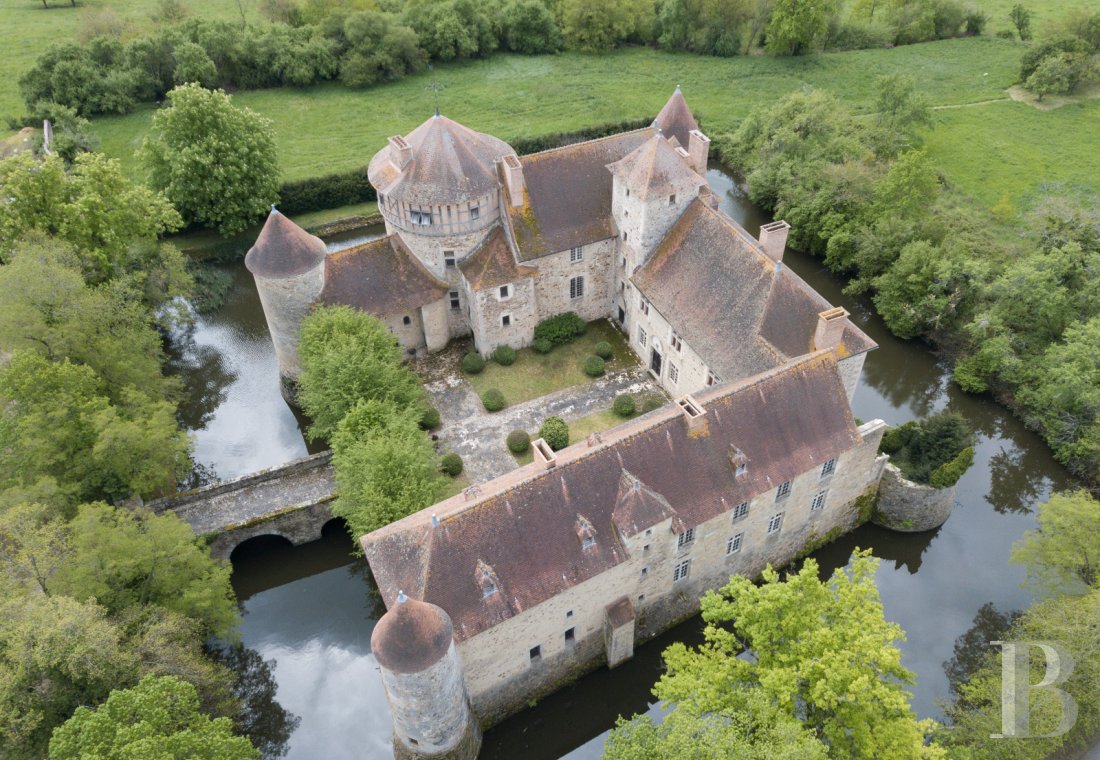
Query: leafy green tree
[
  {"x": 214, "y": 161},
  {"x": 72, "y": 133},
  {"x": 193, "y": 65},
  {"x": 378, "y": 50},
  {"x": 1056, "y": 75},
  {"x": 598, "y": 25},
  {"x": 159, "y": 719},
  {"x": 1064, "y": 552},
  {"x": 796, "y": 24},
  {"x": 821, "y": 653},
  {"x": 452, "y": 29},
  {"x": 1021, "y": 19},
  {"x": 530, "y": 28},
  {"x": 710, "y": 27},
  {"x": 348, "y": 356},
  {"x": 901, "y": 113}
]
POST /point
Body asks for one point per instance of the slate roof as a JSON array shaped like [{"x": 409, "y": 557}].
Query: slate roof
[
  {"x": 493, "y": 264},
  {"x": 567, "y": 201},
  {"x": 381, "y": 277},
  {"x": 450, "y": 164},
  {"x": 655, "y": 169},
  {"x": 523, "y": 524},
  {"x": 676, "y": 120},
  {"x": 283, "y": 249}
]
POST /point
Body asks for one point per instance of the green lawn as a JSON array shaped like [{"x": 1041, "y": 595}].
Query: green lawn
[{"x": 533, "y": 375}]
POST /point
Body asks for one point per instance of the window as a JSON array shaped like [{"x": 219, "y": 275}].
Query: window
[
  {"x": 673, "y": 374},
  {"x": 448, "y": 259},
  {"x": 506, "y": 320},
  {"x": 641, "y": 337},
  {"x": 576, "y": 287},
  {"x": 783, "y": 491},
  {"x": 733, "y": 544},
  {"x": 624, "y": 235},
  {"x": 406, "y": 320},
  {"x": 672, "y": 199},
  {"x": 643, "y": 305},
  {"x": 569, "y": 614},
  {"x": 454, "y": 299},
  {"x": 685, "y": 538},
  {"x": 570, "y": 636},
  {"x": 828, "y": 468},
  {"x": 649, "y": 533},
  {"x": 712, "y": 378},
  {"x": 414, "y": 742},
  {"x": 818, "y": 502},
  {"x": 422, "y": 218},
  {"x": 740, "y": 469},
  {"x": 575, "y": 255},
  {"x": 675, "y": 341},
  {"x": 628, "y": 192},
  {"x": 536, "y": 653},
  {"x": 641, "y": 598},
  {"x": 775, "y": 523},
  {"x": 645, "y": 571},
  {"x": 645, "y": 549},
  {"x": 505, "y": 291},
  {"x": 740, "y": 510},
  {"x": 475, "y": 213},
  {"x": 680, "y": 572}
]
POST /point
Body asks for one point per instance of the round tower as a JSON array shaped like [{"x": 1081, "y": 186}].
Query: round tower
[
  {"x": 288, "y": 266},
  {"x": 414, "y": 645}
]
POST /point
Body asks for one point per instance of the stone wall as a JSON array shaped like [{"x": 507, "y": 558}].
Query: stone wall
[
  {"x": 298, "y": 525},
  {"x": 910, "y": 507},
  {"x": 490, "y": 308},
  {"x": 646, "y": 222},
  {"x": 850, "y": 370},
  {"x": 286, "y": 302},
  {"x": 690, "y": 369},
  {"x": 199, "y": 495},
  {"x": 436, "y": 320},
  {"x": 429, "y": 249},
  {"x": 555, "y": 272},
  {"x": 411, "y": 335}
]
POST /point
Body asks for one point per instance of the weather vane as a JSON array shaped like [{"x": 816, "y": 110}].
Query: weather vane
[{"x": 437, "y": 87}]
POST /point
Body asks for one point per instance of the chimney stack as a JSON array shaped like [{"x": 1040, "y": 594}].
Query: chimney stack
[
  {"x": 830, "y": 328},
  {"x": 699, "y": 150},
  {"x": 400, "y": 152},
  {"x": 773, "y": 239},
  {"x": 513, "y": 179},
  {"x": 694, "y": 414}
]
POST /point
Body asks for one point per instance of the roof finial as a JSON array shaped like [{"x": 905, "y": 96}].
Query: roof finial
[
  {"x": 435, "y": 86},
  {"x": 273, "y": 209},
  {"x": 401, "y": 598},
  {"x": 435, "y": 520},
  {"x": 677, "y": 88}
]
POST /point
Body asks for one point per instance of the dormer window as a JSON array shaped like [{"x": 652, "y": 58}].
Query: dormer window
[
  {"x": 486, "y": 579},
  {"x": 738, "y": 461},
  {"x": 421, "y": 218},
  {"x": 585, "y": 532},
  {"x": 475, "y": 213}
]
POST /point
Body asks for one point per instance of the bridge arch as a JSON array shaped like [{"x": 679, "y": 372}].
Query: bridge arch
[
  {"x": 337, "y": 526},
  {"x": 262, "y": 542}
]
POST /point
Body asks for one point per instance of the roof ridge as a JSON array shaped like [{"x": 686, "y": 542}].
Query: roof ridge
[{"x": 584, "y": 142}]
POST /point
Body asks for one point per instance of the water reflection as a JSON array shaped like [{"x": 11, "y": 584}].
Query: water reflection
[
  {"x": 261, "y": 718},
  {"x": 972, "y": 647}
]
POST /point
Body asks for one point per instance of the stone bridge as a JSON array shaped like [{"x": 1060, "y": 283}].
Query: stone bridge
[{"x": 292, "y": 501}]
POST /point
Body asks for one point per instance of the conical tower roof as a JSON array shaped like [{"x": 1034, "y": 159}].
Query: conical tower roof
[
  {"x": 412, "y": 636},
  {"x": 654, "y": 169},
  {"x": 283, "y": 249},
  {"x": 675, "y": 119},
  {"x": 449, "y": 163}
]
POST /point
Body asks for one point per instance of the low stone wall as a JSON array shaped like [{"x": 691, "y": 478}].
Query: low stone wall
[{"x": 910, "y": 507}]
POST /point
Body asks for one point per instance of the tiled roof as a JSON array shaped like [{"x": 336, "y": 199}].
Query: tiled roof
[
  {"x": 283, "y": 249},
  {"x": 567, "y": 201},
  {"x": 675, "y": 119},
  {"x": 381, "y": 277},
  {"x": 493, "y": 264},
  {"x": 522, "y": 528},
  {"x": 411, "y": 637},
  {"x": 655, "y": 169}
]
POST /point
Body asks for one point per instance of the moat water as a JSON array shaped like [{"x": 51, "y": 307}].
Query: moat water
[{"x": 310, "y": 609}]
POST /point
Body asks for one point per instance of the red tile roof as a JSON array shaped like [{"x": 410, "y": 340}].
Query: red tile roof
[
  {"x": 676, "y": 120},
  {"x": 655, "y": 169},
  {"x": 493, "y": 264},
  {"x": 381, "y": 277},
  {"x": 283, "y": 249}
]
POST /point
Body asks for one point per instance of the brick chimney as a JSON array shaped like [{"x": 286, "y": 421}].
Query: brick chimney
[
  {"x": 694, "y": 415},
  {"x": 400, "y": 152},
  {"x": 513, "y": 178},
  {"x": 699, "y": 150},
  {"x": 830, "y": 328},
  {"x": 773, "y": 239}
]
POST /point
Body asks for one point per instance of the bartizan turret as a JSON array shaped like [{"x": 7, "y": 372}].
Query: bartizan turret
[
  {"x": 289, "y": 267},
  {"x": 414, "y": 645}
]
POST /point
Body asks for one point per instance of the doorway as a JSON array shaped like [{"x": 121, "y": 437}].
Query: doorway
[{"x": 655, "y": 362}]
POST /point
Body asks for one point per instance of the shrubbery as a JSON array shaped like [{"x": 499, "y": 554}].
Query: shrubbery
[
  {"x": 935, "y": 451},
  {"x": 624, "y": 405},
  {"x": 493, "y": 400},
  {"x": 429, "y": 418},
  {"x": 518, "y": 441},
  {"x": 542, "y": 346},
  {"x": 472, "y": 363},
  {"x": 948, "y": 473},
  {"x": 555, "y": 432},
  {"x": 594, "y": 366},
  {"x": 603, "y": 350},
  {"x": 560, "y": 329},
  {"x": 505, "y": 356},
  {"x": 450, "y": 464}
]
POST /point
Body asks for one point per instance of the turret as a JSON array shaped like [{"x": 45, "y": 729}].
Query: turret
[
  {"x": 288, "y": 265},
  {"x": 414, "y": 646}
]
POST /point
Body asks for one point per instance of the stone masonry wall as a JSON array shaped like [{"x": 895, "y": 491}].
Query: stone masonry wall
[
  {"x": 555, "y": 272},
  {"x": 850, "y": 370},
  {"x": 410, "y": 336},
  {"x": 286, "y": 303},
  {"x": 490, "y": 308},
  {"x": 910, "y": 507},
  {"x": 690, "y": 369}
]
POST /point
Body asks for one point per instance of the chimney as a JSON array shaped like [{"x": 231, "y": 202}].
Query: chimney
[
  {"x": 545, "y": 457},
  {"x": 773, "y": 239},
  {"x": 830, "y": 328},
  {"x": 695, "y": 415},
  {"x": 400, "y": 152},
  {"x": 513, "y": 178},
  {"x": 699, "y": 150},
  {"x": 684, "y": 155}
]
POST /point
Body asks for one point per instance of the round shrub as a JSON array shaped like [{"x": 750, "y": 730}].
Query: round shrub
[
  {"x": 624, "y": 405},
  {"x": 493, "y": 400},
  {"x": 504, "y": 355},
  {"x": 429, "y": 418},
  {"x": 472, "y": 363},
  {"x": 518, "y": 441},
  {"x": 451, "y": 464},
  {"x": 603, "y": 350},
  {"x": 555, "y": 432},
  {"x": 543, "y": 345},
  {"x": 593, "y": 366}
]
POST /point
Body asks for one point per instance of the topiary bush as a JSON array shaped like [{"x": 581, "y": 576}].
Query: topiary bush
[
  {"x": 518, "y": 441},
  {"x": 429, "y": 418},
  {"x": 561, "y": 329},
  {"x": 624, "y": 405},
  {"x": 451, "y": 464},
  {"x": 603, "y": 350},
  {"x": 922, "y": 448},
  {"x": 555, "y": 432},
  {"x": 542, "y": 346},
  {"x": 493, "y": 400},
  {"x": 472, "y": 363},
  {"x": 505, "y": 356},
  {"x": 594, "y": 366}
]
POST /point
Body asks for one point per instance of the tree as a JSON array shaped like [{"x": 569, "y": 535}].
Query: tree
[
  {"x": 193, "y": 65},
  {"x": 821, "y": 652},
  {"x": 158, "y": 719},
  {"x": 796, "y": 24},
  {"x": 214, "y": 161},
  {"x": 901, "y": 113},
  {"x": 452, "y": 29},
  {"x": 348, "y": 356},
  {"x": 1064, "y": 552},
  {"x": 1054, "y": 76},
  {"x": 1021, "y": 19},
  {"x": 598, "y": 25},
  {"x": 531, "y": 28}
]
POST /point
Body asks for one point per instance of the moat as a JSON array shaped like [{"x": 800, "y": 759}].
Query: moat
[{"x": 311, "y": 610}]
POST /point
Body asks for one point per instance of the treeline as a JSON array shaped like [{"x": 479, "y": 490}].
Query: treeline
[
  {"x": 1020, "y": 314},
  {"x": 308, "y": 43}
]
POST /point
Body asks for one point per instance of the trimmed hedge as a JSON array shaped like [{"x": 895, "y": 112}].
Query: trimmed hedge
[
  {"x": 624, "y": 405},
  {"x": 329, "y": 191},
  {"x": 429, "y": 418},
  {"x": 555, "y": 432},
  {"x": 542, "y": 346},
  {"x": 594, "y": 366},
  {"x": 472, "y": 363},
  {"x": 524, "y": 145},
  {"x": 505, "y": 356},
  {"x": 451, "y": 464},
  {"x": 493, "y": 400},
  {"x": 518, "y": 441},
  {"x": 603, "y": 350},
  {"x": 948, "y": 473},
  {"x": 561, "y": 329}
]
